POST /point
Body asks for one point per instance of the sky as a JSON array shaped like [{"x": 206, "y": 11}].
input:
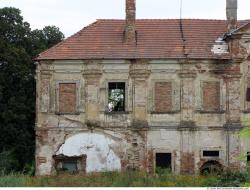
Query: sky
[{"x": 72, "y": 15}]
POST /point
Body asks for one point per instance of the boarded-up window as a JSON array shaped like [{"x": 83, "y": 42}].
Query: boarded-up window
[
  {"x": 211, "y": 96},
  {"x": 163, "y": 96},
  {"x": 67, "y": 97}
]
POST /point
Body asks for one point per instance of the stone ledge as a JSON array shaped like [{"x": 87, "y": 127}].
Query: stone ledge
[
  {"x": 75, "y": 113},
  {"x": 168, "y": 112},
  {"x": 117, "y": 113},
  {"x": 210, "y": 112}
]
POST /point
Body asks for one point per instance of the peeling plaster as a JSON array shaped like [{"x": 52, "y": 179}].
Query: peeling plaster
[{"x": 97, "y": 147}]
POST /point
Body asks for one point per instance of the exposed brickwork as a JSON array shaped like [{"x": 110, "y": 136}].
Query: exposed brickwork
[
  {"x": 163, "y": 96},
  {"x": 187, "y": 163},
  {"x": 150, "y": 161},
  {"x": 67, "y": 98},
  {"x": 42, "y": 136},
  {"x": 211, "y": 96},
  {"x": 136, "y": 154},
  {"x": 130, "y": 35}
]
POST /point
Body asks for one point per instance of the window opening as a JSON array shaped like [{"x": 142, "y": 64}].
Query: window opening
[
  {"x": 116, "y": 97},
  {"x": 211, "y": 153},
  {"x": 163, "y": 160}
]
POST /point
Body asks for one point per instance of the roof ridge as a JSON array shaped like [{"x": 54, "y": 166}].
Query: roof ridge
[
  {"x": 163, "y": 19},
  {"x": 65, "y": 40}
]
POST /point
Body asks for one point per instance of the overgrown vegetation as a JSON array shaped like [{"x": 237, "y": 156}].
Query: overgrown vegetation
[
  {"x": 127, "y": 179},
  {"x": 19, "y": 45}
]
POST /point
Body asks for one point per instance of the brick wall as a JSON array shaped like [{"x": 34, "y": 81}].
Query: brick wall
[
  {"x": 187, "y": 163},
  {"x": 67, "y": 98},
  {"x": 211, "y": 96},
  {"x": 163, "y": 96}
]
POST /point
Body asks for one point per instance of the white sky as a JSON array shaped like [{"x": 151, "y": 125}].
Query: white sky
[{"x": 72, "y": 15}]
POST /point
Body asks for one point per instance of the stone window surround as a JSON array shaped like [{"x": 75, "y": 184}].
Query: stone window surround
[
  {"x": 107, "y": 95},
  {"x": 211, "y": 149},
  {"x": 152, "y": 102},
  {"x": 78, "y": 83},
  {"x": 81, "y": 161},
  {"x": 201, "y": 109},
  {"x": 159, "y": 150}
]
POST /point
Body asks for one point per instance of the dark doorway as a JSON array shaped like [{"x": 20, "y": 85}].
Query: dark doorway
[{"x": 163, "y": 160}]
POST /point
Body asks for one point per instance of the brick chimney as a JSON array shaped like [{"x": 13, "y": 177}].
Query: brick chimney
[
  {"x": 232, "y": 6},
  {"x": 130, "y": 30}
]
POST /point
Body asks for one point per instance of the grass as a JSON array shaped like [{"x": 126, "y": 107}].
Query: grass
[{"x": 126, "y": 179}]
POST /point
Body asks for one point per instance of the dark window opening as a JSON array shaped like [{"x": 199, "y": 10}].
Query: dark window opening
[
  {"x": 163, "y": 160},
  {"x": 248, "y": 156},
  {"x": 116, "y": 99},
  {"x": 248, "y": 95},
  {"x": 70, "y": 164},
  {"x": 211, "y": 153}
]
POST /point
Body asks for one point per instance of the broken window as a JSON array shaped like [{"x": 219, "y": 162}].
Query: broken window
[
  {"x": 116, "y": 96},
  {"x": 211, "y": 153},
  {"x": 163, "y": 97},
  {"x": 248, "y": 95},
  {"x": 163, "y": 160},
  {"x": 211, "y": 96},
  {"x": 70, "y": 164},
  {"x": 67, "y": 97}
]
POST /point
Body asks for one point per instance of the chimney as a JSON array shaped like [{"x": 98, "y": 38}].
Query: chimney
[
  {"x": 130, "y": 31},
  {"x": 232, "y": 6}
]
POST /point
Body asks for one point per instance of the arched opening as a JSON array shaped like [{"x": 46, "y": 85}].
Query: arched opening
[
  {"x": 97, "y": 149},
  {"x": 211, "y": 167}
]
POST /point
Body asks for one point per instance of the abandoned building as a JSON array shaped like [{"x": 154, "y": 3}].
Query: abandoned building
[{"x": 138, "y": 94}]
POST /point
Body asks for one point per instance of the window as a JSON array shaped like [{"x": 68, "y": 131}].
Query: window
[
  {"x": 163, "y": 160},
  {"x": 70, "y": 164},
  {"x": 248, "y": 157},
  {"x": 163, "y": 97},
  {"x": 248, "y": 95},
  {"x": 116, "y": 96},
  {"x": 211, "y": 153},
  {"x": 211, "y": 96},
  {"x": 67, "y": 97}
]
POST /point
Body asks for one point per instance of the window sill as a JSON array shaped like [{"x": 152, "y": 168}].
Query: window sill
[
  {"x": 245, "y": 111},
  {"x": 168, "y": 112},
  {"x": 60, "y": 113},
  {"x": 116, "y": 113},
  {"x": 211, "y": 111}
]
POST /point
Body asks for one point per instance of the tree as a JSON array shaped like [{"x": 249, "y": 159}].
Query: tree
[{"x": 18, "y": 46}]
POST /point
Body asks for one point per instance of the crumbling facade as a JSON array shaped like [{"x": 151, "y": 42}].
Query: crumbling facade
[{"x": 143, "y": 94}]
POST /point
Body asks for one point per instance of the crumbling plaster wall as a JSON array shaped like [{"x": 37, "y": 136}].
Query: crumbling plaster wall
[{"x": 184, "y": 131}]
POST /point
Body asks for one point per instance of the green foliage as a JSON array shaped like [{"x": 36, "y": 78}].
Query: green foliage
[
  {"x": 126, "y": 179},
  {"x": 233, "y": 179},
  {"x": 8, "y": 162},
  {"x": 18, "y": 46}
]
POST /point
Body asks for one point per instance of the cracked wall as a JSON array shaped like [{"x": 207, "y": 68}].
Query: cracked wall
[{"x": 184, "y": 125}]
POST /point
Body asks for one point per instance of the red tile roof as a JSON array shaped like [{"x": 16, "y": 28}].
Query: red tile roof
[{"x": 156, "y": 39}]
